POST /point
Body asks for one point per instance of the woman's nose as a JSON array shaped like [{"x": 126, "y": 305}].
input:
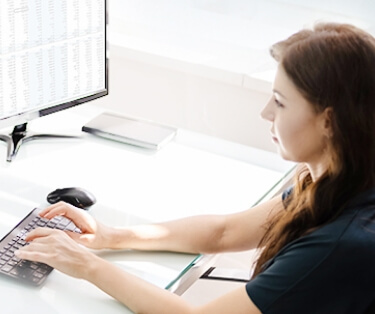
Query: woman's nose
[{"x": 267, "y": 112}]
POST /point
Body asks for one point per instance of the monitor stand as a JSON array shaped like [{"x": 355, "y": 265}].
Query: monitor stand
[{"x": 19, "y": 135}]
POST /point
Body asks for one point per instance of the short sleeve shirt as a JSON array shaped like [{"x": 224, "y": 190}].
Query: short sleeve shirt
[{"x": 330, "y": 270}]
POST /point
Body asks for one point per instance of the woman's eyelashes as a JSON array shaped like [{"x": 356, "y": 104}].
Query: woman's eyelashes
[{"x": 278, "y": 103}]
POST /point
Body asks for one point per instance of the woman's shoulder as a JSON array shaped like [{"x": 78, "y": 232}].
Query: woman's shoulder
[
  {"x": 351, "y": 236},
  {"x": 360, "y": 218}
]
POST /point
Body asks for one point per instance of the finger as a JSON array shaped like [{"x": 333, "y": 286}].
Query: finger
[
  {"x": 31, "y": 255},
  {"x": 60, "y": 208},
  {"x": 80, "y": 218},
  {"x": 39, "y": 233}
]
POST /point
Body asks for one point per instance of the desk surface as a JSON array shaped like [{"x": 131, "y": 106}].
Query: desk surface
[{"x": 132, "y": 186}]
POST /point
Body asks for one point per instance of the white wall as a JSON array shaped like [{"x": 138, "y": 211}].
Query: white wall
[
  {"x": 203, "y": 65},
  {"x": 186, "y": 100}
]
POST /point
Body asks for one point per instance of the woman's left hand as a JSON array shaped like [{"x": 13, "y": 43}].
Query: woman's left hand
[{"x": 57, "y": 249}]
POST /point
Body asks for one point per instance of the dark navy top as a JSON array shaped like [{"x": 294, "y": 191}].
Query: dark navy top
[{"x": 330, "y": 270}]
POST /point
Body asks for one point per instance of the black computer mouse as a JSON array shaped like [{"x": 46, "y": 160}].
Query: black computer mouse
[{"x": 76, "y": 196}]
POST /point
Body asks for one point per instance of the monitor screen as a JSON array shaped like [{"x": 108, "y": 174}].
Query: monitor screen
[{"x": 52, "y": 56}]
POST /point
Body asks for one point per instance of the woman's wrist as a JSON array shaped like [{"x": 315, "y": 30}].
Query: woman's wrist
[
  {"x": 113, "y": 238},
  {"x": 94, "y": 265}
]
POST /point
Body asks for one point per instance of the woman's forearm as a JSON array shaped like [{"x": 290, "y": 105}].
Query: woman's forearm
[
  {"x": 142, "y": 297},
  {"x": 138, "y": 295},
  {"x": 200, "y": 234},
  {"x": 196, "y": 234}
]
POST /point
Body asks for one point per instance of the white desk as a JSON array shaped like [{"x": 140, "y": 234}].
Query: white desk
[{"x": 132, "y": 186}]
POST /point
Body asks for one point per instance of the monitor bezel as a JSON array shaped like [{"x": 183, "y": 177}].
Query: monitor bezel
[{"x": 34, "y": 113}]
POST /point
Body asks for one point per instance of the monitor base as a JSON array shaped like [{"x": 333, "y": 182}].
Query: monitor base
[{"x": 19, "y": 136}]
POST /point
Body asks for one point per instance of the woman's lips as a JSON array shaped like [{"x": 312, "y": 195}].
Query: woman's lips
[{"x": 274, "y": 138}]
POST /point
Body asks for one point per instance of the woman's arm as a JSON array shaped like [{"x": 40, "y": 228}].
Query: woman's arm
[
  {"x": 57, "y": 249},
  {"x": 143, "y": 297},
  {"x": 200, "y": 234},
  {"x": 197, "y": 234}
]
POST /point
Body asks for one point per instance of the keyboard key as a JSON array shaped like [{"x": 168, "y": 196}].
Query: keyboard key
[
  {"x": 26, "y": 273},
  {"x": 6, "y": 268},
  {"x": 38, "y": 275},
  {"x": 5, "y": 257},
  {"x": 15, "y": 271}
]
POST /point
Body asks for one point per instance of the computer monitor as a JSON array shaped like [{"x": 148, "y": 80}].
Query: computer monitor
[{"x": 53, "y": 56}]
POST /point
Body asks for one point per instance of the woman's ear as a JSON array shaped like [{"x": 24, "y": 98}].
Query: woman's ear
[{"x": 327, "y": 122}]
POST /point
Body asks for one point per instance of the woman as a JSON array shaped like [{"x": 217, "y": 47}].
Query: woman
[{"x": 317, "y": 240}]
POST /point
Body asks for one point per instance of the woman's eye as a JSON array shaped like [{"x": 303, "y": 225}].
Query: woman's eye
[{"x": 278, "y": 103}]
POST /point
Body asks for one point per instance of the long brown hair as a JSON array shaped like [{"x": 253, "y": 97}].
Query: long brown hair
[{"x": 332, "y": 66}]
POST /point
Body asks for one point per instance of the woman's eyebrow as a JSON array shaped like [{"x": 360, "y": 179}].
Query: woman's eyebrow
[{"x": 275, "y": 91}]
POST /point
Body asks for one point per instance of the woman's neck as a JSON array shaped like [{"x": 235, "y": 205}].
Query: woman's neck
[{"x": 316, "y": 170}]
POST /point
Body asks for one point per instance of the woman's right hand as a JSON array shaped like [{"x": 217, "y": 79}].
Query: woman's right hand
[{"x": 93, "y": 234}]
